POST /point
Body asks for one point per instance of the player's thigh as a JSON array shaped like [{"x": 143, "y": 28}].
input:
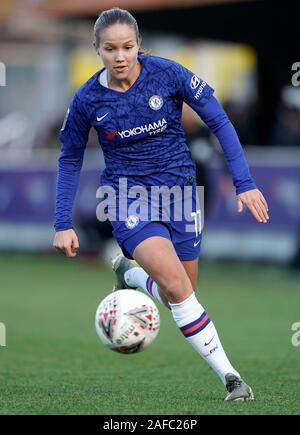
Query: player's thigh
[
  {"x": 191, "y": 268},
  {"x": 157, "y": 256}
]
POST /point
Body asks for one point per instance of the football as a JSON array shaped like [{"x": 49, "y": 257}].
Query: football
[{"x": 127, "y": 321}]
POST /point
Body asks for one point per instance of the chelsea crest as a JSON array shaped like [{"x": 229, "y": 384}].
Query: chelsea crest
[{"x": 156, "y": 102}]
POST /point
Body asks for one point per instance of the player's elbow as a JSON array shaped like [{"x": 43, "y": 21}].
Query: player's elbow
[{"x": 218, "y": 123}]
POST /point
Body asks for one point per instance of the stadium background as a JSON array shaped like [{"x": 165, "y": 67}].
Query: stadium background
[{"x": 249, "y": 274}]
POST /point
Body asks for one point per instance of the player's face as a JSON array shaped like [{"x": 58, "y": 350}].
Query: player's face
[{"x": 119, "y": 50}]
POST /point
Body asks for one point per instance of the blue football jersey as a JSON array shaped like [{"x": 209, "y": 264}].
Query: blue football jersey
[{"x": 140, "y": 132}]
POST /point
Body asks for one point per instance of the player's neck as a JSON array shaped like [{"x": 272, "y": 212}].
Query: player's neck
[{"x": 124, "y": 84}]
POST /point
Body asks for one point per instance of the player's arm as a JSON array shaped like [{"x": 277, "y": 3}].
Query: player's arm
[
  {"x": 73, "y": 137},
  {"x": 199, "y": 95},
  {"x": 216, "y": 119}
]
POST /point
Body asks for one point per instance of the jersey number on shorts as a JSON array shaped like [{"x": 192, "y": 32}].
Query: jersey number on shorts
[{"x": 197, "y": 221}]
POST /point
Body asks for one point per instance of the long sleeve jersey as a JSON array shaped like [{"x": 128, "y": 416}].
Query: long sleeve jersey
[{"x": 140, "y": 132}]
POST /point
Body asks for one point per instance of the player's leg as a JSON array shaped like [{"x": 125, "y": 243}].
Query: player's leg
[
  {"x": 137, "y": 277},
  {"x": 134, "y": 276},
  {"x": 187, "y": 312},
  {"x": 136, "y": 246},
  {"x": 157, "y": 257},
  {"x": 129, "y": 274},
  {"x": 191, "y": 268}
]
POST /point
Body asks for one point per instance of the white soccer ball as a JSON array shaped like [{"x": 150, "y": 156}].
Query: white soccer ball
[{"x": 127, "y": 321}]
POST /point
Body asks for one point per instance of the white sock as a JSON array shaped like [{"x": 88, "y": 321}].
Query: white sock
[
  {"x": 200, "y": 331},
  {"x": 137, "y": 277}
]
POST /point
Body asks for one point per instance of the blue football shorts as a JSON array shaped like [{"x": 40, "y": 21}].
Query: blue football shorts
[
  {"x": 184, "y": 233},
  {"x": 186, "y": 248}
]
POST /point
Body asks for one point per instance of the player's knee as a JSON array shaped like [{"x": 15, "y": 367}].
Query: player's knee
[{"x": 175, "y": 286}]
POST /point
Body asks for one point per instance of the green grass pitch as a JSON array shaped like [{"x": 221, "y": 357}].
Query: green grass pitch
[{"x": 53, "y": 362}]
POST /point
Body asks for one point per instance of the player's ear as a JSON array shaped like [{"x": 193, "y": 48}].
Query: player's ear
[{"x": 95, "y": 47}]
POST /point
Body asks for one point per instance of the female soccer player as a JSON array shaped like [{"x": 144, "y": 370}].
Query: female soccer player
[{"x": 135, "y": 105}]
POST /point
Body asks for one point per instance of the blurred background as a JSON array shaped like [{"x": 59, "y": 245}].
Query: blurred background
[
  {"x": 46, "y": 53},
  {"x": 248, "y": 51}
]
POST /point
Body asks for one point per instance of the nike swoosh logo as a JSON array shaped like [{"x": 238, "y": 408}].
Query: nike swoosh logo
[
  {"x": 197, "y": 243},
  {"x": 99, "y": 118},
  {"x": 206, "y": 344}
]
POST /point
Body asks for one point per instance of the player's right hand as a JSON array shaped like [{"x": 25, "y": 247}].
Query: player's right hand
[{"x": 66, "y": 242}]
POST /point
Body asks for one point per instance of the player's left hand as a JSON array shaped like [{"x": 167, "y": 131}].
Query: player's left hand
[{"x": 256, "y": 203}]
